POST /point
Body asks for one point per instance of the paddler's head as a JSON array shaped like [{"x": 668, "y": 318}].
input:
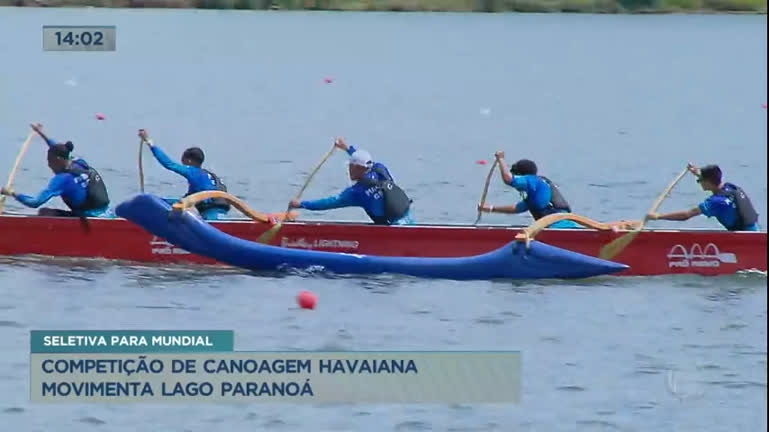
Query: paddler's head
[
  {"x": 58, "y": 156},
  {"x": 360, "y": 163},
  {"x": 524, "y": 167},
  {"x": 193, "y": 156},
  {"x": 710, "y": 178}
]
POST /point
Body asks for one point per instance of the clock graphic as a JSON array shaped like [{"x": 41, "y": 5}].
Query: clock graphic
[{"x": 79, "y": 38}]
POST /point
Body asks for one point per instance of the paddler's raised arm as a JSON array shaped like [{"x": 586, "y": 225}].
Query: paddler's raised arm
[
  {"x": 507, "y": 177},
  {"x": 163, "y": 158},
  {"x": 342, "y": 145},
  {"x": 37, "y": 127},
  {"x": 694, "y": 169}
]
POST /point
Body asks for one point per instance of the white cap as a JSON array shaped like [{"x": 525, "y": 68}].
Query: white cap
[{"x": 361, "y": 158}]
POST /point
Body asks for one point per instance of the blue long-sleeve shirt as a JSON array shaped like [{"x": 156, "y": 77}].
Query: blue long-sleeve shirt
[
  {"x": 724, "y": 210},
  {"x": 72, "y": 190},
  {"x": 538, "y": 194},
  {"x": 198, "y": 179},
  {"x": 357, "y": 195},
  {"x": 536, "y": 191}
]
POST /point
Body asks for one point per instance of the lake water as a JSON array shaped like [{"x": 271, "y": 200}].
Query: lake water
[{"x": 611, "y": 107}]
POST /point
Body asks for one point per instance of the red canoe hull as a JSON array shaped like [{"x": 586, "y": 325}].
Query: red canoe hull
[{"x": 656, "y": 252}]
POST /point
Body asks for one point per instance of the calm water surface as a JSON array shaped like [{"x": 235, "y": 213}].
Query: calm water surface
[{"x": 612, "y": 107}]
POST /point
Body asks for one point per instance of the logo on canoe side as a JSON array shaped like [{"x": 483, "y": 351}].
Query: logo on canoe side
[
  {"x": 302, "y": 243},
  {"x": 162, "y": 247},
  {"x": 697, "y": 256}
]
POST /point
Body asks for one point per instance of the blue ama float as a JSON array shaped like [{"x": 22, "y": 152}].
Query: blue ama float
[{"x": 512, "y": 261}]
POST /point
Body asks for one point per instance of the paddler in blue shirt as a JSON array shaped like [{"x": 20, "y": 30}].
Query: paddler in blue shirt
[
  {"x": 374, "y": 190},
  {"x": 198, "y": 178},
  {"x": 79, "y": 185},
  {"x": 728, "y": 203},
  {"x": 541, "y": 197}
]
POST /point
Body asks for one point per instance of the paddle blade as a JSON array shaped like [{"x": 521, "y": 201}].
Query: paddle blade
[
  {"x": 614, "y": 247},
  {"x": 268, "y": 235}
]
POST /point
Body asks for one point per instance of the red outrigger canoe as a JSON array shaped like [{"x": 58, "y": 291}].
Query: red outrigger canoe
[{"x": 653, "y": 252}]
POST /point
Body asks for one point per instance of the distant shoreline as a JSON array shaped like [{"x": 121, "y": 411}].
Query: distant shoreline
[{"x": 534, "y": 6}]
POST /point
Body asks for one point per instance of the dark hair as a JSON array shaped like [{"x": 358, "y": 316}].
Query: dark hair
[
  {"x": 61, "y": 150},
  {"x": 711, "y": 173},
  {"x": 195, "y": 154},
  {"x": 524, "y": 167}
]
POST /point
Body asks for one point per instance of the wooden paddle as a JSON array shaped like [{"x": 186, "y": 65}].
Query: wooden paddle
[
  {"x": 268, "y": 235},
  {"x": 486, "y": 190},
  {"x": 141, "y": 166},
  {"x": 312, "y": 174},
  {"x": 15, "y": 168},
  {"x": 613, "y": 248}
]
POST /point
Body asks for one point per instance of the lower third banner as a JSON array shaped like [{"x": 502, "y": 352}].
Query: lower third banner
[{"x": 155, "y": 372}]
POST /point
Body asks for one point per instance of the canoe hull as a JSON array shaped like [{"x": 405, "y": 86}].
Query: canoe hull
[
  {"x": 512, "y": 261},
  {"x": 654, "y": 252}
]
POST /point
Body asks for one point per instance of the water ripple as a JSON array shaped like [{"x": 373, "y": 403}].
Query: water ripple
[
  {"x": 736, "y": 384},
  {"x": 646, "y": 406},
  {"x": 91, "y": 421},
  {"x": 13, "y": 410},
  {"x": 274, "y": 424},
  {"x": 175, "y": 307},
  {"x": 571, "y": 388},
  {"x": 734, "y": 326},
  {"x": 413, "y": 425},
  {"x": 13, "y": 324},
  {"x": 421, "y": 312},
  {"x": 600, "y": 423},
  {"x": 481, "y": 428},
  {"x": 489, "y": 321}
]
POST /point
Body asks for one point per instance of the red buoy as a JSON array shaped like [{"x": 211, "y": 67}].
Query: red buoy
[
  {"x": 307, "y": 300},
  {"x": 328, "y": 80},
  {"x": 99, "y": 116},
  {"x": 481, "y": 162}
]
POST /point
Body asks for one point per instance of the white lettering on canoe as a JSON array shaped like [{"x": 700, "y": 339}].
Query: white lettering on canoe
[
  {"x": 162, "y": 247},
  {"x": 697, "y": 256},
  {"x": 302, "y": 243}
]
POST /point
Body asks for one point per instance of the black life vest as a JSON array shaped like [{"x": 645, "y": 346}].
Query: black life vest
[
  {"x": 211, "y": 203},
  {"x": 96, "y": 192},
  {"x": 396, "y": 202},
  {"x": 746, "y": 213},
  {"x": 557, "y": 202}
]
